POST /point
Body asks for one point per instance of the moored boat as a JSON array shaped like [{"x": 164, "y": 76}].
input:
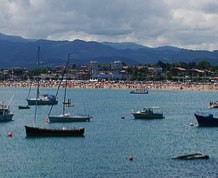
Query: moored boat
[
  {"x": 5, "y": 113},
  {"x": 192, "y": 156},
  {"x": 53, "y": 132},
  {"x": 148, "y": 113},
  {"x": 46, "y": 99},
  {"x": 67, "y": 117},
  {"x": 139, "y": 91},
  {"x": 41, "y": 99},
  {"x": 213, "y": 104},
  {"x": 24, "y": 107},
  {"x": 206, "y": 119}
]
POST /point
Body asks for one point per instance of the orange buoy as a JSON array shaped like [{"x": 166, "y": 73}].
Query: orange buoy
[
  {"x": 10, "y": 134},
  {"x": 131, "y": 158}
]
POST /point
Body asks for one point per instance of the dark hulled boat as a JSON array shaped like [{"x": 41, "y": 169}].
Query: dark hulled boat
[
  {"x": 48, "y": 132},
  {"x": 24, "y": 107},
  {"x": 192, "y": 156},
  {"x": 206, "y": 119}
]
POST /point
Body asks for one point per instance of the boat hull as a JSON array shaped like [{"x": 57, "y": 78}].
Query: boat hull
[
  {"x": 139, "y": 92},
  {"x": 192, "y": 156},
  {"x": 73, "y": 118},
  {"x": 47, "y": 132},
  {"x": 146, "y": 116},
  {"x": 213, "y": 106},
  {"x": 24, "y": 107},
  {"x": 206, "y": 120},
  {"x": 42, "y": 102},
  {"x": 6, "y": 117}
]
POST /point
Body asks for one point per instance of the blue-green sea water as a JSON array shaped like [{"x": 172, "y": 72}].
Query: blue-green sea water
[{"x": 109, "y": 140}]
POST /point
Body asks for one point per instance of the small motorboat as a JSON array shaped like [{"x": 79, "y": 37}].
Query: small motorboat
[
  {"x": 192, "y": 156},
  {"x": 5, "y": 112},
  {"x": 24, "y": 107},
  {"x": 148, "y": 113},
  {"x": 213, "y": 104},
  {"x": 139, "y": 91}
]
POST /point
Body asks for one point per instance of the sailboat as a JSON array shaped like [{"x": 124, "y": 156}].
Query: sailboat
[
  {"x": 44, "y": 99},
  {"x": 67, "y": 117},
  {"x": 34, "y": 131}
]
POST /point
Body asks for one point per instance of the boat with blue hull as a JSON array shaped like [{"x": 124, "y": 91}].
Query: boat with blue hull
[
  {"x": 41, "y": 99},
  {"x": 206, "y": 119},
  {"x": 45, "y": 99}
]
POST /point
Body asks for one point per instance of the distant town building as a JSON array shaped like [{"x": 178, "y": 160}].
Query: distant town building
[
  {"x": 116, "y": 66},
  {"x": 93, "y": 68}
]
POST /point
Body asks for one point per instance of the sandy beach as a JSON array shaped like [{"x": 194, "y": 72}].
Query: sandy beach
[{"x": 151, "y": 85}]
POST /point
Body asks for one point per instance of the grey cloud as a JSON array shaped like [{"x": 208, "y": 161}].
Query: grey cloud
[{"x": 149, "y": 22}]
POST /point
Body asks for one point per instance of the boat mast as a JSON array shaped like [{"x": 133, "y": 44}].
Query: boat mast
[
  {"x": 62, "y": 77},
  {"x": 65, "y": 90},
  {"x": 38, "y": 72},
  {"x": 37, "y": 93}
]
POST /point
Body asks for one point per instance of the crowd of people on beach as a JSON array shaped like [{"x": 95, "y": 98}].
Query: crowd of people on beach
[{"x": 151, "y": 85}]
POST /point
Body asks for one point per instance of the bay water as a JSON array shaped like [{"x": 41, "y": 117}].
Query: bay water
[{"x": 111, "y": 137}]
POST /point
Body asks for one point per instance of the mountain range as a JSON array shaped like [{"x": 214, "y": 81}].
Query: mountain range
[{"x": 16, "y": 51}]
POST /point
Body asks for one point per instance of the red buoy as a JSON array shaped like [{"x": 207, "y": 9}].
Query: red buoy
[
  {"x": 46, "y": 121},
  {"x": 131, "y": 158},
  {"x": 10, "y": 134}
]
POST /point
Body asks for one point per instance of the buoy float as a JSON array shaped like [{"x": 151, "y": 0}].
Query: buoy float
[
  {"x": 10, "y": 134},
  {"x": 131, "y": 158},
  {"x": 46, "y": 121}
]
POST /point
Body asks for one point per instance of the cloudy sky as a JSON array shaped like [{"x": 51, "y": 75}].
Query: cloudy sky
[{"x": 191, "y": 24}]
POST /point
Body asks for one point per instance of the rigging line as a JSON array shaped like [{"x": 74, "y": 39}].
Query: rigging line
[
  {"x": 62, "y": 77},
  {"x": 65, "y": 94},
  {"x": 29, "y": 90},
  {"x": 11, "y": 100}
]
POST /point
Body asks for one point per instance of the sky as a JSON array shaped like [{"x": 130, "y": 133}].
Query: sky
[{"x": 189, "y": 24}]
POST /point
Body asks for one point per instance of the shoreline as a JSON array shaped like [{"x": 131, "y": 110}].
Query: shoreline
[{"x": 150, "y": 85}]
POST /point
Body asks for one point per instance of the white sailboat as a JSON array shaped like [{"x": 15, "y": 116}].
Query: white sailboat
[
  {"x": 67, "y": 117},
  {"x": 44, "y": 99}
]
